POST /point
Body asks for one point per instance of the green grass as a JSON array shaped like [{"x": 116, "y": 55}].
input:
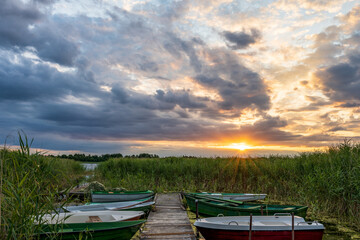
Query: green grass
[
  {"x": 328, "y": 182},
  {"x": 29, "y": 183}
]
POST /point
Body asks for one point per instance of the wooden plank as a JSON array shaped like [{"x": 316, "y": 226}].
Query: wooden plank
[{"x": 168, "y": 221}]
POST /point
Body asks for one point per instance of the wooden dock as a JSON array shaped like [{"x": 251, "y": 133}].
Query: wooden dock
[{"x": 169, "y": 220}]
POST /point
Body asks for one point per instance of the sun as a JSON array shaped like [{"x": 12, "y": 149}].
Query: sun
[{"x": 239, "y": 146}]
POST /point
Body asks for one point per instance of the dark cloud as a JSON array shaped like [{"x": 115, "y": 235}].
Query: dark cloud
[
  {"x": 15, "y": 19},
  {"x": 23, "y": 25},
  {"x": 181, "y": 98},
  {"x": 267, "y": 129},
  {"x": 349, "y": 105},
  {"x": 337, "y": 50},
  {"x": 240, "y": 40},
  {"x": 175, "y": 46},
  {"x": 53, "y": 46},
  {"x": 341, "y": 82},
  {"x": 238, "y": 86},
  {"x": 161, "y": 100},
  {"x": 335, "y": 129},
  {"x": 120, "y": 94},
  {"x": 26, "y": 81}
]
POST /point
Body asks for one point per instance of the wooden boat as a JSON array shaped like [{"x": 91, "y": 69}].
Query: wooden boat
[
  {"x": 99, "y": 230},
  {"x": 119, "y": 196},
  {"x": 113, "y": 206},
  {"x": 95, "y": 216},
  {"x": 262, "y": 227},
  {"x": 212, "y": 207},
  {"x": 233, "y": 196}
]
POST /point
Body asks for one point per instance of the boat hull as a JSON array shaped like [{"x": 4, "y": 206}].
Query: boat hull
[
  {"x": 262, "y": 228},
  {"x": 212, "y": 208},
  {"x": 104, "y": 197},
  {"x": 216, "y": 234},
  {"x": 105, "y": 231}
]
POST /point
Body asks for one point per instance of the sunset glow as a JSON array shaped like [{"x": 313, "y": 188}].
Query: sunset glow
[{"x": 239, "y": 146}]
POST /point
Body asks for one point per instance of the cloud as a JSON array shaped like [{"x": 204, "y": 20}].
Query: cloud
[
  {"x": 23, "y": 25},
  {"x": 240, "y": 40},
  {"x": 15, "y": 18},
  {"x": 181, "y": 98},
  {"x": 27, "y": 81},
  {"x": 238, "y": 86},
  {"x": 317, "y": 5},
  {"x": 341, "y": 82},
  {"x": 335, "y": 129},
  {"x": 349, "y": 105}
]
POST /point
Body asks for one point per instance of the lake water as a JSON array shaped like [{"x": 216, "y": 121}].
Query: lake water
[{"x": 89, "y": 166}]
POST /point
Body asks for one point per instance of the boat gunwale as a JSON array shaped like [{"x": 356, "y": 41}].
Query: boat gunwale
[
  {"x": 227, "y": 202},
  {"x": 89, "y": 228},
  {"x": 300, "y": 224},
  {"x": 122, "y": 192}
]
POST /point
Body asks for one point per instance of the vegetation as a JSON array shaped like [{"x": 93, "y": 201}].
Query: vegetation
[
  {"x": 96, "y": 158},
  {"x": 143, "y": 155},
  {"x": 328, "y": 182},
  {"x": 29, "y": 183},
  {"x": 89, "y": 158}
]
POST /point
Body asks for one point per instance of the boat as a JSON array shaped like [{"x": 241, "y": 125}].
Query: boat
[
  {"x": 212, "y": 207},
  {"x": 119, "y": 196},
  {"x": 113, "y": 206},
  {"x": 262, "y": 227},
  {"x": 98, "y": 230},
  {"x": 144, "y": 206},
  {"x": 233, "y": 196},
  {"x": 95, "y": 216}
]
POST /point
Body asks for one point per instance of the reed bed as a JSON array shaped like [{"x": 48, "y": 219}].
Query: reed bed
[
  {"x": 328, "y": 182},
  {"x": 29, "y": 184}
]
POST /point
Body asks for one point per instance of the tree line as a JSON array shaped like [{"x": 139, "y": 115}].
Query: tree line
[{"x": 101, "y": 158}]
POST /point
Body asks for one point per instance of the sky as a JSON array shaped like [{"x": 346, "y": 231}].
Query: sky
[{"x": 174, "y": 78}]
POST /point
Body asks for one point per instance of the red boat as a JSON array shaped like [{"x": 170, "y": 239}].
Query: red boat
[{"x": 261, "y": 228}]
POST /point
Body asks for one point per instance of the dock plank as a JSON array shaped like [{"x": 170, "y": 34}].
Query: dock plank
[{"x": 168, "y": 221}]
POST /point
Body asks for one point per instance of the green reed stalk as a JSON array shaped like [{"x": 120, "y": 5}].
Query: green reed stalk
[{"x": 30, "y": 184}]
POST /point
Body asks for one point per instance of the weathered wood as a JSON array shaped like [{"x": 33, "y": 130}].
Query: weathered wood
[{"x": 168, "y": 221}]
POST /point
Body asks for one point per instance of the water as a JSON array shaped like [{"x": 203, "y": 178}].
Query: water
[{"x": 89, "y": 166}]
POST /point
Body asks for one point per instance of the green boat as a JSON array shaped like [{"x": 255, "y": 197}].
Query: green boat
[
  {"x": 119, "y": 196},
  {"x": 233, "y": 196},
  {"x": 99, "y": 230},
  {"x": 208, "y": 206}
]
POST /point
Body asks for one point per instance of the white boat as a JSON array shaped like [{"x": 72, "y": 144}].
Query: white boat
[
  {"x": 269, "y": 227},
  {"x": 115, "y": 206},
  {"x": 90, "y": 217}
]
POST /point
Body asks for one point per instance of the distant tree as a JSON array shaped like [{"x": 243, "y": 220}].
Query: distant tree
[{"x": 90, "y": 158}]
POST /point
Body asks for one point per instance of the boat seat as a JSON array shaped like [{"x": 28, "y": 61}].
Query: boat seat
[
  {"x": 94, "y": 219},
  {"x": 272, "y": 223},
  {"x": 253, "y": 207},
  {"x": 289, "y": 208}
]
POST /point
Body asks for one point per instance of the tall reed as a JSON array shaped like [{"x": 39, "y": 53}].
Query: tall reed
[{"x": 29, "y": 188}]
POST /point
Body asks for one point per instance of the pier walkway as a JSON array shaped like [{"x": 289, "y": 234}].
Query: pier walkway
[{"x": 168, "y": 221}]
